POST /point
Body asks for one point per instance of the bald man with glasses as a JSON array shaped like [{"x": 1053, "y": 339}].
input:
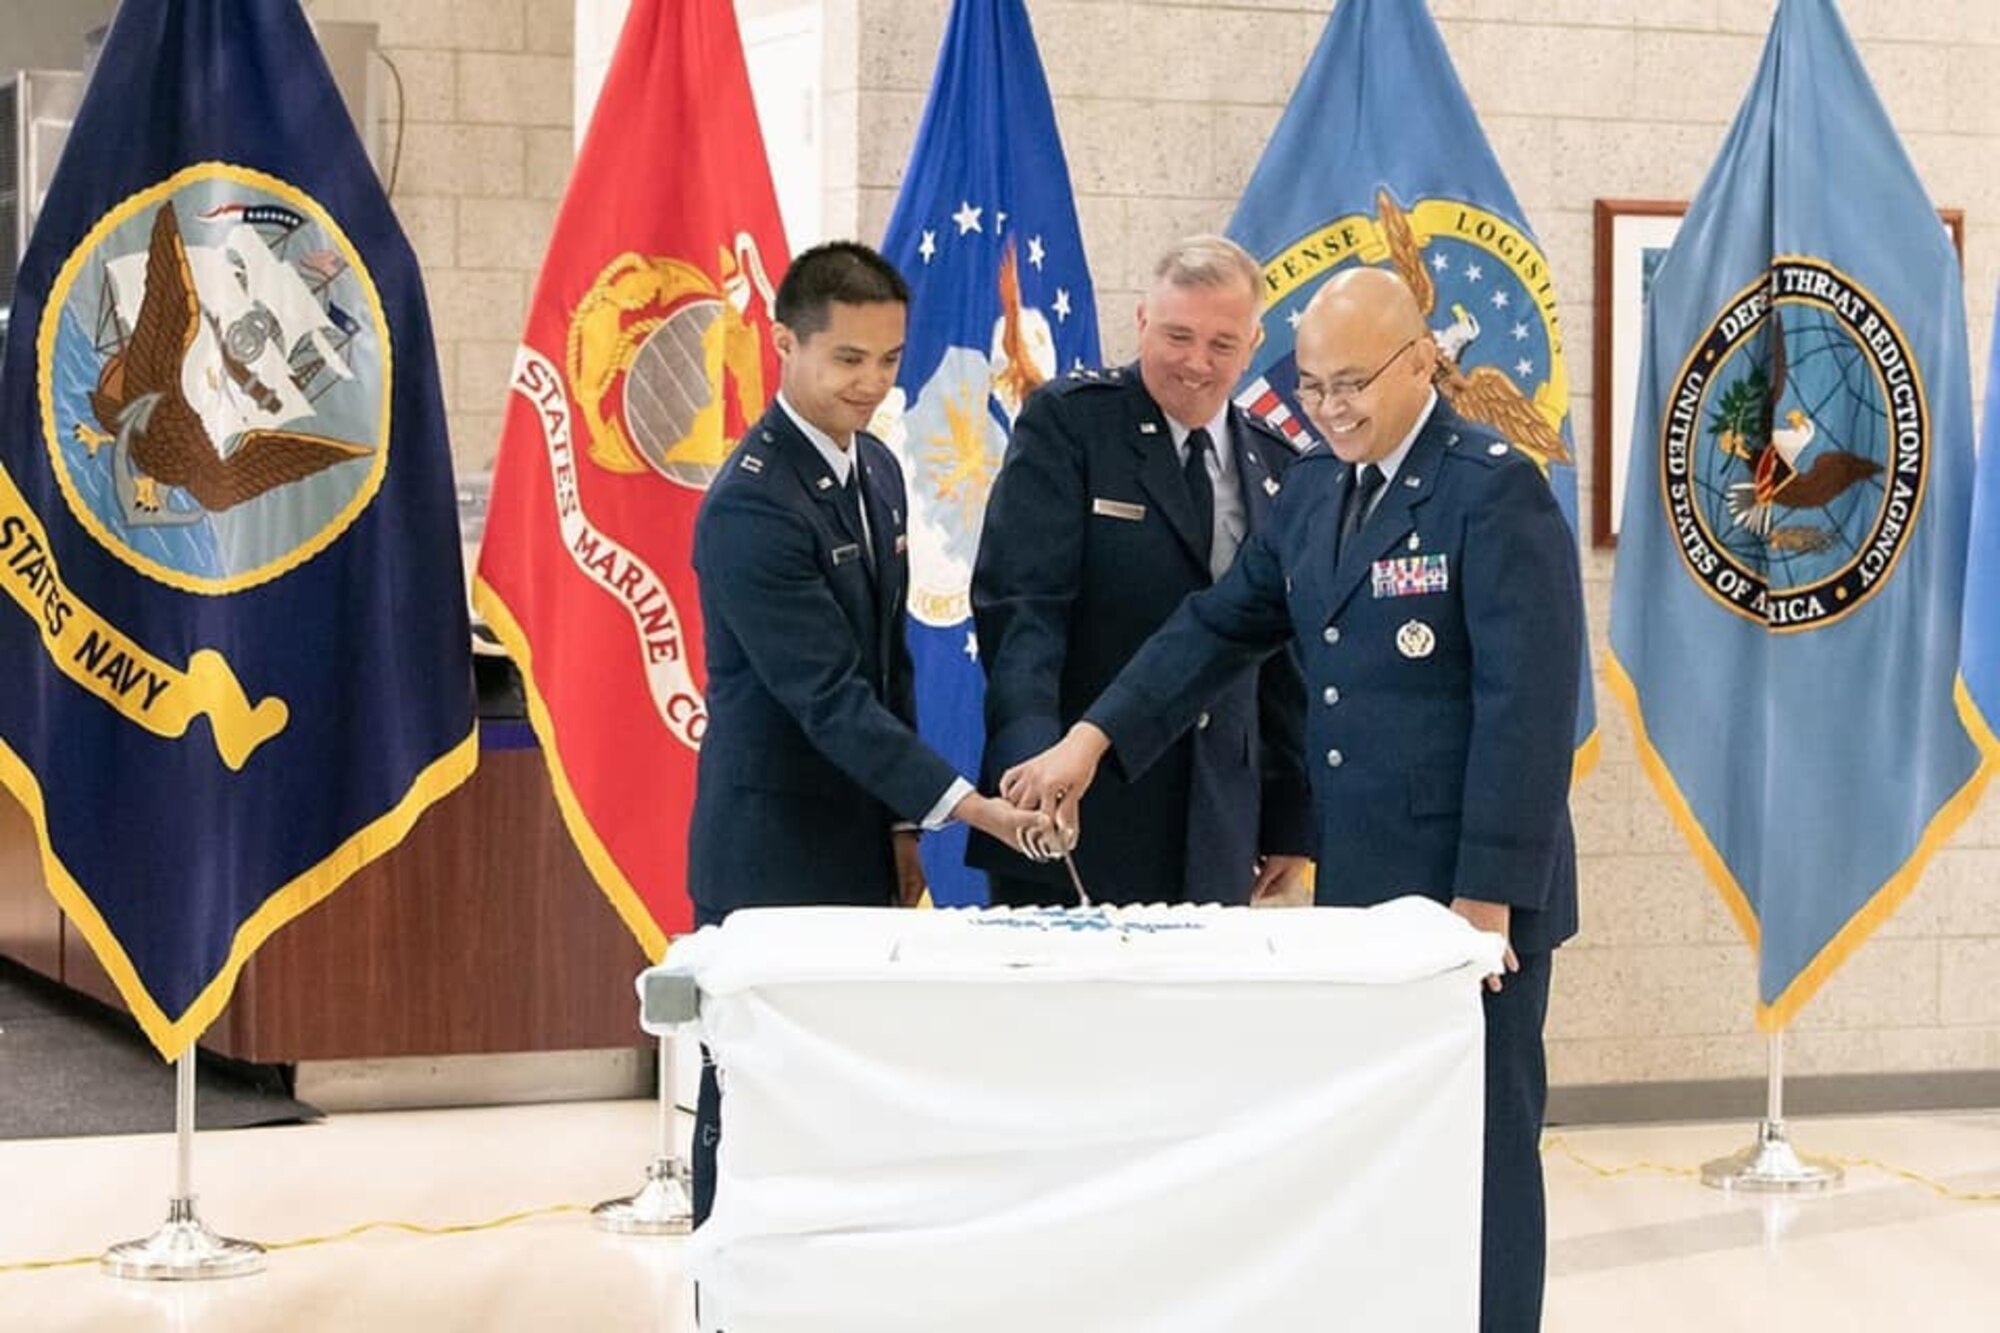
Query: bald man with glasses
[{"x": 1420, "y": 567}]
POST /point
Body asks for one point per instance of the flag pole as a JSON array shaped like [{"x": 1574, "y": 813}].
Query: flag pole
[
  {"x": 663, "y": 1206},
  {"x": 183, "y": 1249},
  {"x": 1771, "y": 1165}
]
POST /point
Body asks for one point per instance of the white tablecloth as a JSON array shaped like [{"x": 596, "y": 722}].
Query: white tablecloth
[{"x": 1269, "y": 1121}]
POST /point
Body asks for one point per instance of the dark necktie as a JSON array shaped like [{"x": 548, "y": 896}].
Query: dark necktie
[
  {"x": 1201, "y": 488},
  {"x": 850, "y": 496},
  {"x": 1360, "y": 495}
]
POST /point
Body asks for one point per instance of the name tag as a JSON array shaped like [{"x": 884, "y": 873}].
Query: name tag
[
  {"x": 1411, "y": 576},
  {"x": 846, "y": 555},
  {"x": 1131, "y": 513}
]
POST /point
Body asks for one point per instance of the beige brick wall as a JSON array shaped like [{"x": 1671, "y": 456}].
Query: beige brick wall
[
  {"x": 486, "y": 150},
  {"x": 1164, "y": 105}
]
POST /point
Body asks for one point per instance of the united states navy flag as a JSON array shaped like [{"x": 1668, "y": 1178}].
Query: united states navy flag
[
  {"x": 1396, "y": 172},
  {"x": 1785, "y": 613},
  {"x": 1981, "y": 664},
  {"x": 985, "y": 230},
  {"x": 234, "y": 636}
]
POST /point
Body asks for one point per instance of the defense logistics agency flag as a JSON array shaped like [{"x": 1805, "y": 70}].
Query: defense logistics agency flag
[
  {"x": 1395, "y": 172},
  {"x": 985, "y": 230},
  {"x": 646, "y": 355},
  {"x": 234, "y": 636},
  {"x": 1785, "y": 616}
]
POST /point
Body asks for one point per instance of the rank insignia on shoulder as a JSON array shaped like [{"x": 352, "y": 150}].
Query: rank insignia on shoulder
[
  {"x": 752, "y": 464},
  {"x": 1411, "y": 576},
  {"x": 1498, "y": 449}
]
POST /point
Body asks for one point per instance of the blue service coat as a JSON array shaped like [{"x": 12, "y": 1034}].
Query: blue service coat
[
  {"x": 1088, "y": 546},
  {"x": 811, "y": 751},
  {"x": 1440, "y": 653}
]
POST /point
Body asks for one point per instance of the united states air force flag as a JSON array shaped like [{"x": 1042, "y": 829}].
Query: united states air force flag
[
  {"x": 1785, "y": 615},
  {"x": 985, "y": 230},
  {"x": 1396, "y": 172},
  {"x": 234, "y": 638}
]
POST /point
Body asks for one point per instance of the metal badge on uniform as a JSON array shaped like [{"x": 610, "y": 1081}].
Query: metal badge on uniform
[
  {"x": 824, "y": 483},
  {"x": 1411, "y": 576},
  {"x": 1149, "y": 428},
  {"x": 1271, "y": 486},
  {"x": 1131, "y": 513},
  {"x": 844, "y": 555},
  {"x": 1415, "y": 639},
  {"x": 1416, "y": 542},
  {"x": 751, "y": 464},
  {"x": 902, "y": 543},
  {"x": 1497, "y": 449}
]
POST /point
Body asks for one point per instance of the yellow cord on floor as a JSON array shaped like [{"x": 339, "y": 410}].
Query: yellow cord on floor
[
  {"x": 412, "y": 1228},
  {"x": 1555, "y": 1143}
]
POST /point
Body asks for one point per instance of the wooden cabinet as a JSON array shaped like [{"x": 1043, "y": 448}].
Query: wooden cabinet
[{"x": 482, "y": 933}]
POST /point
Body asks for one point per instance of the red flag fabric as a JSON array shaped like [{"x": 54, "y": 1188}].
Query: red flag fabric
[{"x": 647, "y": 353}]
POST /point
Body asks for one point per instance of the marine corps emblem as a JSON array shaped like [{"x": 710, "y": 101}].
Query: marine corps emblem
[{"x": 667, "y": 365}]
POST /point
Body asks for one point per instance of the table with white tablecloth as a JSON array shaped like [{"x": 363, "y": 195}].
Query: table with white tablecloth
[{"x": 1191, "y": 1120}]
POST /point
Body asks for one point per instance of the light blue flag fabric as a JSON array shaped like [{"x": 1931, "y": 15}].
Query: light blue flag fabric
[
  {"x": 985, "y": 230},
  {"x": 1785, "y": 614},
  {"x": 1981, "y": 662},
  {"x": 1393, "y": 170}
]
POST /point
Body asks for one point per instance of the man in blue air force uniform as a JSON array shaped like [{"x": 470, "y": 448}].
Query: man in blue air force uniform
[
  {"x": 1426, "y": 577},
  {"x": 1123, "y": 491},
  {"x": 812, "y": 783}
]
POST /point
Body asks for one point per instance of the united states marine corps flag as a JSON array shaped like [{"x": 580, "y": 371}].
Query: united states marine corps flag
[
  {"x": 1396, "y": 173},
  {"x": 234, "y": 637},
  {"x": 1785, "y": 615},
  {"x": 647, "y": 353}
]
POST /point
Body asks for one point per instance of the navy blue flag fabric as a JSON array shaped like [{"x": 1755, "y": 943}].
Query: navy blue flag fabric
[
  {"x": 234, "y": 636},
  {"x": 1380, "y": 160},
  {"x": 1786, "y": 609},
  {"x": 985, "y": 230},
  {"x": 1981, "y": 662}
]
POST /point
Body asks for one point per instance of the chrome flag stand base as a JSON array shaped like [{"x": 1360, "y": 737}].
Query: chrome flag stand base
[
  {"x": 1771, "y": 1165},
  {"x": 664, "y": 1206},
  {"x": 183, "y": 1249}
]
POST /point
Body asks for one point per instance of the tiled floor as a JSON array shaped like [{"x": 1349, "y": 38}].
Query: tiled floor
[{"x": 1629, "y": 1254}]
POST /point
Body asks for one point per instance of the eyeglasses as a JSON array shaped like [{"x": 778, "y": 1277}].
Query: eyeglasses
[{"x": 1313, "y": 396}]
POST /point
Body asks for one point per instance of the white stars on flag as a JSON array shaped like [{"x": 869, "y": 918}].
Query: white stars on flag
[
  {"x": 1061, "y": 305},
  {"x": 928, "y": 246},
  {"x": 967, "y": 218},
  {"x": 1036, "y": 254}
]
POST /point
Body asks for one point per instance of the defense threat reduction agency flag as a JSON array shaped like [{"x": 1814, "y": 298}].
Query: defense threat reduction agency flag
[
  {"x": 1785, "y": 616},
  {"x": 647, "y": 353},
  {"x": 234, "y": 636},
  {"x": 985, "y": 231},
  {"x": 1367, "y": 170}
]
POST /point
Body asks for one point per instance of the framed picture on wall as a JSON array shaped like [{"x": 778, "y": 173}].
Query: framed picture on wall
[{"x": 1632, "y": 237}]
